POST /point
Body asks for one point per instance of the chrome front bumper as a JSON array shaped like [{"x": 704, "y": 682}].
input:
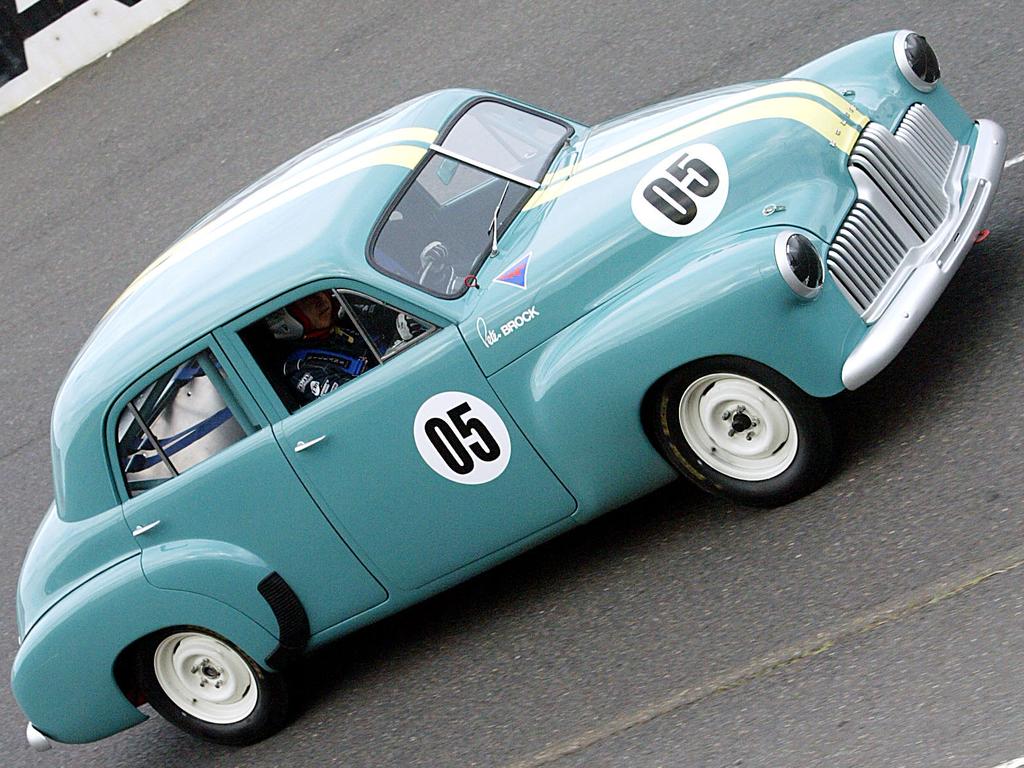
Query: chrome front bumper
[
  {"x": 37, "y": 740},
  {"x": 907, "y": 310}
]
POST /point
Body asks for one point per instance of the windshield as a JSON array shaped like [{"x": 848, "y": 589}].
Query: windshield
[{"x": 440, "y": 229}]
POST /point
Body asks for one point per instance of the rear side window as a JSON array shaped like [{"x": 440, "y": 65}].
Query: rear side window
[{"x": 174, "y": 423}]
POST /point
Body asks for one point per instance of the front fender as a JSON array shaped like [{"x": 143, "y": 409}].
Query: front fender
[
  {"x": 578, "y": 396},
  {"x": 63, "y": 675},
  {"x": 867, "y": 74}
]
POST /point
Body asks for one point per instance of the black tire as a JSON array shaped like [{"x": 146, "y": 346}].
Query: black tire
[
  {"x": 790, "y": 472},
  {"x": 267, "y": 716}
]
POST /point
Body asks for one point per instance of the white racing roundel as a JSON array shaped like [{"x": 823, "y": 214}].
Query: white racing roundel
[
  {"x": 462, "y": 438},
  {"x": 684, "y": 193}
]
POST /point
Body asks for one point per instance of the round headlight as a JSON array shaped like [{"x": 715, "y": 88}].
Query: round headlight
[
  {"x": 917, "y": 60},
  {"x": 799, "y": 264}
]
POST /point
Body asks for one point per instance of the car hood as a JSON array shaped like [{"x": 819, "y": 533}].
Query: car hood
[{"x": 779, "y": 150}]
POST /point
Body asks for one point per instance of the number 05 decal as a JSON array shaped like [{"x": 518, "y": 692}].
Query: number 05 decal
[
  {"x": 684, "y": 193},
  {"x": 462, "y": 438}
]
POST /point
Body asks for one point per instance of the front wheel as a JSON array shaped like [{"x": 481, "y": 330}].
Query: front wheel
[
  {"x": 743, "y": 431},
  {"x": 206, "y": 686}
]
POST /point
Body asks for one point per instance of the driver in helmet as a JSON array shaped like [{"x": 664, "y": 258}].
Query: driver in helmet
[{"x": 320, "y": 355}]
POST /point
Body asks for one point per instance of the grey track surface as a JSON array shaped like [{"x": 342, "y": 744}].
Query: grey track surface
[{"x": 678, "y": 630}]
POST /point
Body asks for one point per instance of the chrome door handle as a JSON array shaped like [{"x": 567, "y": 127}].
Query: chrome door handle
[
  {"x": 303, "y": 445},
  {"x": 141, "y": 529}
]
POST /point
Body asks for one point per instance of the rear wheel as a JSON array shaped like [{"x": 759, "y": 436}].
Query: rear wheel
[
  {"x": 742, "y": 430},
  {"x": 208, "y": 687}
]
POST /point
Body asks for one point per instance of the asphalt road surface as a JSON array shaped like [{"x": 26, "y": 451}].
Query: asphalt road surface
[{"x": 877, "y": 622}]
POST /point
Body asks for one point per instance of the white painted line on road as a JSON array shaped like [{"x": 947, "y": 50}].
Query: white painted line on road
[
  {"x": 820, "y": 642},
  {"x": 1019, "y": 762},
  {"x": 1009, "y": 164}
]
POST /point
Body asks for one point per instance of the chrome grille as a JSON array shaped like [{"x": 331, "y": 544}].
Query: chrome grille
[
  {"x": 865, "y": 254},
  {"x": 928, "y": 140},
  {"x": 901, "y": 201}
]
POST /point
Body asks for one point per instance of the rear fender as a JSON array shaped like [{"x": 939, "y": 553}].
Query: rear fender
[
  {"x": 215, "y": 569},
  {"x": 63, "y": 676}
]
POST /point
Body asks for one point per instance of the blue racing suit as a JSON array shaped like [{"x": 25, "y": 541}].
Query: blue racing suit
[{"x": 320, "y": 365}]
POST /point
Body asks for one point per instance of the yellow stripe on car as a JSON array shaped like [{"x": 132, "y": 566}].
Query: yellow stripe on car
[
  {"x": 819, "y": 107},
  {"x": 786, "y": 87},
  {"x": 305, "y": 172},
  {"x": 402, "y": 155},
  {"x": 835, "y": 129}
]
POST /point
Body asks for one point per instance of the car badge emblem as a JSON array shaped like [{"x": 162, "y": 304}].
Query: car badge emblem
[{"x": 516, "y": 274}]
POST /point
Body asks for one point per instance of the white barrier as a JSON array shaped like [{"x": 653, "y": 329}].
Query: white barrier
[{"x": 77, "y": 38}]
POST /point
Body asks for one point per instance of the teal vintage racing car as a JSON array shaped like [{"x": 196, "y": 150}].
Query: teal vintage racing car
[{"x": 456, "y": 330}]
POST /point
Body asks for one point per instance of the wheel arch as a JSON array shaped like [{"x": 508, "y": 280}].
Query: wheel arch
[
  {"x": 781, "y": 469},
  {"x": 732, "y": 302},
  {"x": 215, "y": 569},
  {"x": 230, "y": 575},
  {"x": 125, "y": 664},
  {"x": 68, "y": 676},
  {"x": 648, "y": 405}
]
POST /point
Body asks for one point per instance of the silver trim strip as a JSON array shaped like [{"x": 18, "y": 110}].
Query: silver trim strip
[
  {"x": 922, "y": 289},
  {"x": 485, "y": 167},
  {"x": 37, "y": 740}
]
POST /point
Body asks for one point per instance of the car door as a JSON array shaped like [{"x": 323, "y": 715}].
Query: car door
[
  {"x": 415, "y": 461},
  {"x": 214, "y": 503}
]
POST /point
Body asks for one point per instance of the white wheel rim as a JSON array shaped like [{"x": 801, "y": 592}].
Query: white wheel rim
[
  {"x": 205, "y": 677},
  {"x": 738, "y": 427}
]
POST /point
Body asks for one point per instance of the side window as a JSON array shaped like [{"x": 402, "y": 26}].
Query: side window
[
  {"x": 316, "y": 344},
  {"x": 390, "y": 330},
  {"x": 175, "y": 423}
]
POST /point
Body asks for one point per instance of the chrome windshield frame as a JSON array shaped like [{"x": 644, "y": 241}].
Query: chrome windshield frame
[
  {"x": 436, "y": 148},
  {"x": 485, "y": 167}
]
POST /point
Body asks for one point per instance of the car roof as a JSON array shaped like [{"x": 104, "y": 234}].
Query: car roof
[{"x": 309, "y": 219}]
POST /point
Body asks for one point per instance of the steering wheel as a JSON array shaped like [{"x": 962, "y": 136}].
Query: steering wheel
[{"x": 437, "y": 273}]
